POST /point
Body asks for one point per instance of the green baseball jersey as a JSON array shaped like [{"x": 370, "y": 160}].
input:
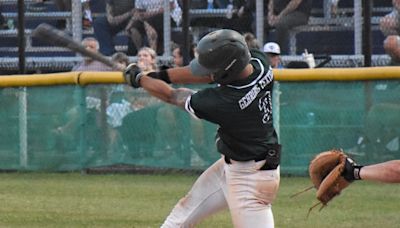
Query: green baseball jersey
[{"x": 243, "y": 111}]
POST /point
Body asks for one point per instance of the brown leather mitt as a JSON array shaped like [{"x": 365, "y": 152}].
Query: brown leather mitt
[{"x": 326, "y": 171}]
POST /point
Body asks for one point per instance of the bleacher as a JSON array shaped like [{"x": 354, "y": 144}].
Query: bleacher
[
  {"x": 33, "y": 18},
  {"x": 323, "y": 35}
]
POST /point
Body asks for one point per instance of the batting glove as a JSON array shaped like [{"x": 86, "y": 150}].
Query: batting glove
[{"x": 132, "y": 75}]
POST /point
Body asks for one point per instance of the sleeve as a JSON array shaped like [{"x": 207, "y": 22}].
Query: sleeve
[
  {"x": 189, "y": 108},
  {"x": 200, "y": 106}
]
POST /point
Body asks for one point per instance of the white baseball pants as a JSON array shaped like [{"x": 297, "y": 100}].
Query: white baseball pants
[{"x": 241, "y": 186}]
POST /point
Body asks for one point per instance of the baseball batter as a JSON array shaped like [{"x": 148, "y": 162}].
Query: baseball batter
[{"x": 246, "y": 178}]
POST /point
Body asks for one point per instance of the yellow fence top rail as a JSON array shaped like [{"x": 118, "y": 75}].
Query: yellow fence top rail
[{"x": 319, "y": 74}]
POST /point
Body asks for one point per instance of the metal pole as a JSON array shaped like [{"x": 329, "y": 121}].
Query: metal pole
[
  {"x": 367, "y": 37},
  {"x": 167, "y": 28},
  {"x": 260, "y": 20},
  {"x": 23, "y": 128},
  {"x": 80, "y": 99},
  {"x": 185, "y": 31},
  {"x": 22, "y": 99},
  {"x": 367, "y": 50},
  {"x": 76, "y": 19},
  {"x": 327, "y": 9},
  {"x": 358, "y": 27},
  {"x": 21, "y": 37}
]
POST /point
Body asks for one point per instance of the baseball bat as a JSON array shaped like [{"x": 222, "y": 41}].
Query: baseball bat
[{"x": 59, "y": 38}]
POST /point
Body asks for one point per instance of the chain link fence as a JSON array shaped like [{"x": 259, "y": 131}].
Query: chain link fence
[{"x": 64, "y": 128}]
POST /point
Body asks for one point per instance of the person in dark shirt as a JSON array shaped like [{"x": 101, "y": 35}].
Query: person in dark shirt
[
  {"x": 390, "y": 23},
  {"x": 392, "y": 47},
  {"x": 3, "y": 23},
  {"x": 246, "y": 178},
  {"x": 283, "y": 15},
  {"x": 118, "y": 14}
]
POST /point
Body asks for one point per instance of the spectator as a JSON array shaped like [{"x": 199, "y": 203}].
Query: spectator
[
  {"x": 120, "y": 58},
  {"x": 118, "y": 107},
  {"x": 166, "y": 117},
  {"x": 118, "y": 14},
  {"x": 390, "y": 23},
  {"x": 136, "y": 29},
  {"x": 98, "y": 112},
  {"x": 193, "y": 51},
  {"x": 177, "y": 56},
  {"x": 273, "y": 52},
  {"x": 149, "y": 19},
  {"x": 178, "y": 51},
  {"x": 87, "y": 19},
  {"x": 139, "y": 109},
  {"x": 63, "y": 6},
  {"x": 147, "y": 59},
  {"x": 251, "y": 41},
  {"x": 283, "y": 15},
  {"x": 392, "y": 48},
  {"x": 3, "y": 23},
  {"x": 176, "y": 12},
  {"x": 96, "y": 98},
  {"x": 239, "y": 16},
  {"x": 88, "y": 64},
  {"x": 334, "y": 7}
]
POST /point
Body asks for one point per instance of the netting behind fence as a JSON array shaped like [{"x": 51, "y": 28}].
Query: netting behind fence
[
  {"x": 359, "y": 117},
  {"x": 72, "y": 128}
]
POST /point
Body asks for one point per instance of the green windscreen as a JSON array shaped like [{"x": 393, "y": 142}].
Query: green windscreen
[{"x": 64, "y": 128}]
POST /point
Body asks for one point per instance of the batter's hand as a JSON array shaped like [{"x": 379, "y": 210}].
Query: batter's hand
[{"x": 132, "y": 75}]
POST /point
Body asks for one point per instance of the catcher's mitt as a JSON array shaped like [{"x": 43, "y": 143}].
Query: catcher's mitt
[
  {"x": 331, "y": 172},
  {"x": 326, "y": 173}
]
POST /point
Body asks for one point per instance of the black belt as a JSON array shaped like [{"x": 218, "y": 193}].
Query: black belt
[
  {"x": 272, "y": 157},
  {"x": 228, "y": 159}
]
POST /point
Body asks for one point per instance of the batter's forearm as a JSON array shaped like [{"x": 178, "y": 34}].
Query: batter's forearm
[
  {"x": 157, "y": 88},
  {"x": 183, "y": 75},
  {"x": 164, "y": 92}
]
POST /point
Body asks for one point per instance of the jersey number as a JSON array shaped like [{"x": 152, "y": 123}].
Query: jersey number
[{"x": 264, "y": 104}]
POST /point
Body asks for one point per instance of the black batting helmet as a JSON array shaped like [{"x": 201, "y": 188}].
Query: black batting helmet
[{"x": 222, "y": 53}]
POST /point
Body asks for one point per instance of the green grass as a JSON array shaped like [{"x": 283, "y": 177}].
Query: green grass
[{"x": 75, "y": 200}]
